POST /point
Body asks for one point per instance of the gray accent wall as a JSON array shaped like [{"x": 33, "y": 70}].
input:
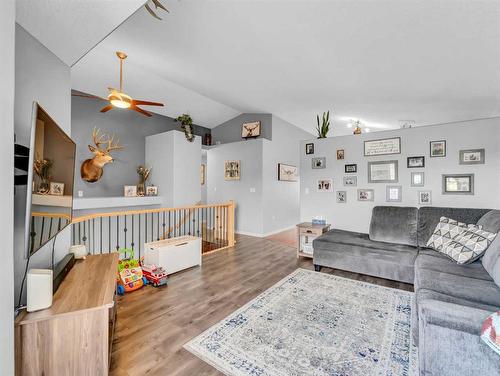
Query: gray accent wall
[
  {"x": 230, "y": 131},
  {"x": 131, "y": 128},
  {"x": 7, "y": 38},
  {"x": 355, "y": 215}
]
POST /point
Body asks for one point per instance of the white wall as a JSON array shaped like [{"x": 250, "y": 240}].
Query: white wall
[
  {"x": 281, "y": 209},
  {"x": 7, "y": 35},
  {"x": 355, "y": 215},
  {"x": 175, "y": 166},
  {"x": 40, "y": 76},
  {"x": 246, "y": 192}
]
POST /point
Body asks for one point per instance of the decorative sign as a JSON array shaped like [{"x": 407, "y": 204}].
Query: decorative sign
[{"x": 383, "y": 147}]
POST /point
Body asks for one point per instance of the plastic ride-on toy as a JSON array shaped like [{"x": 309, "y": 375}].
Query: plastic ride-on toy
[{"x": 129, "y": 277}]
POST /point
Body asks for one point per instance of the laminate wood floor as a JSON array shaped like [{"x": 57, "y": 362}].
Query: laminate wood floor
[{"x": 154, "y": 323}]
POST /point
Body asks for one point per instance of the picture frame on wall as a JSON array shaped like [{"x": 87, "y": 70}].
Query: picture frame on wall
[
  {"x": 310, "y": 148},
  {"x": 340, "y": 154},
  {"x": 415, "y": 162},
  {"x": 366, "y": 195},
  {"x": 324, "y": 185},
  {"x": 341, "y": 197},
  {"x": 417, "y": 179},
  {"x": 56, "y": 189},
  {"x": 424, "y": 197},
  {"x": 383, "y": 172},
  {"x": 350, "y": 181},
  {"x": 151, "y": 190},
  {"x": 287, "y": 172},
  {"x": 384, "y": 146},
  {"x": 437, "y": 148},
  {"x": 471, "y": 156},
  {"x": 458, "y": 184},
  {"x": 130, "y": 190},
  {"x": 318, "y": 162},
  {"x": 351, "y": 168},
  {"x": 202, "y": 174},
  {"x": 232, "y": 170},
  {"x": 393, "y": 193},
  {"x": 250, "y": 130}
]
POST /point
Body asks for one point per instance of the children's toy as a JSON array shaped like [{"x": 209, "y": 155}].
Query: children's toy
[
  {"x": 155, "y": 275},
  {"x": 129, "y": 277}
]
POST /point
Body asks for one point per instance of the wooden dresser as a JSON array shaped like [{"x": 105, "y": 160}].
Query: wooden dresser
[{"x": 74, "y": 335}]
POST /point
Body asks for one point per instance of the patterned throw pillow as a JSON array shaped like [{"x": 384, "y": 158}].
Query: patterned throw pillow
[
  {"x": 444, "y": 232},
  {"x": 490, "y": 333},
  {"x": 469, "y": 245}
]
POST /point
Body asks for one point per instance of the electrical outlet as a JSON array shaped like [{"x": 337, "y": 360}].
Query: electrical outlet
[
  {"x": 80, "y": 193},
  {"x": 306, "y": 191},
  {"x": 252, "y": 190}
]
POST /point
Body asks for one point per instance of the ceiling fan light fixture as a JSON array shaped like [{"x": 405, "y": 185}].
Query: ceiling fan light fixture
[{"x": 120, "y": 100}]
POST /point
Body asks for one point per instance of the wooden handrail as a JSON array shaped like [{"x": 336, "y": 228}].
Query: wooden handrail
[{"x": 51, "y": 215}]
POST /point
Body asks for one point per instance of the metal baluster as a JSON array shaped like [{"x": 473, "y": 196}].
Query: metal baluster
[
  {"x": 79, "y": 233},
  {"x": 93, "y": 236},
  {"x": 41, "y": 231},
  {"x": 125, "y": 231},
  {"x": 100, "y": 236},
  {"x": 117, "y": 233},
  {"x": 169, "y": 228},
  {"x": 152, "y": 227},
  {"x": 157, "y": 226},
  {"x": 109, "y": 234},
  {"x": 175, "y": 222},
  {"x": 139, "y": 233},
  {"x": 163, "y": 235},
  {"x": 85, "y": 235},
  {"x": 198, "y": 222},
  {"x": 145, "y": 227},
  {"x": 73, "y": 235}
]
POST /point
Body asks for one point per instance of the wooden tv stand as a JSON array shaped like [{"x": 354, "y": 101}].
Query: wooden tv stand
[{"x": 74, "y": 335}]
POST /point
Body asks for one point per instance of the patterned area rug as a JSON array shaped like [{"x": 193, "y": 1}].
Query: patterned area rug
[{"x": 313, "y": 323}]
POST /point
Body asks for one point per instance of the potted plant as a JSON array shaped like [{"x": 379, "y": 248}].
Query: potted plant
[
  {"x": 186, "y": 125},
  {"x": 324, "y": 127},
  {"x": 42, "y": 168}
]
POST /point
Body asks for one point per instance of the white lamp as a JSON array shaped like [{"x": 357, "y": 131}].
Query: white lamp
[
  {"x": 79, "y": 250},
  {"x": 39, "y": 289}
]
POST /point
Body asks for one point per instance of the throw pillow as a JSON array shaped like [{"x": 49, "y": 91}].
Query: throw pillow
[
  {"x": 444, "y": 232},
  {"x": 490, "y": 333},
  {"x": 490, "y": 221},
  {"x": 469, "y": 245}
]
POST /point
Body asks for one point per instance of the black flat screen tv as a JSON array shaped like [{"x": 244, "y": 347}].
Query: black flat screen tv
[{"x": 49, "y": 197}]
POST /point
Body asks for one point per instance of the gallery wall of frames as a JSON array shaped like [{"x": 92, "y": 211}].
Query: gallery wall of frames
[{"x": 456, "y": 165}]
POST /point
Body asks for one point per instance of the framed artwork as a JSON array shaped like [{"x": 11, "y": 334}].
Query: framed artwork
[
  {"x": 130, "y": 190},
  {"x": 350, "y": 181},
  {"x": 458, "y": 184},
  {"x": 417, "y": 179},
  {"x": 341, "y": 197},
  {"x": 287, "y": 172},
  {"x": 471, "y": 156},
  {"x": 151, "y": 190},
  {"x": 56, "y": 189},
  {"x": 383, "y": 146},
  {"x": 340, "y": 154},
  {"x": 202, "y": 174},
  {"x": 366, "y": 194},
  {"x": 438, "y": 148},
  {"x": 424, "y": 197},
  {"x": 351, "y": 168},
  {"x": 250, "y": 130},
  {"x": 232, "y": 170},
  {"x": 319, "y": 162},
  {"x": 383, "y": 172},
  {"x": 325, "y": 185},
  {"x": 310, "y": 148},
  {"x": 415, "y": 162},
  {"x": 393, "y": 193}
]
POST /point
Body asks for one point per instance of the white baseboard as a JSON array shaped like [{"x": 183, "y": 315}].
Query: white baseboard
[
  {"x": 260, "y": 235},
  {"x": 280, "y": 230}
]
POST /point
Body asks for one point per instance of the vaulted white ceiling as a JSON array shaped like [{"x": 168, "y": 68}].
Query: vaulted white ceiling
[{"x": 378, "y": 61}]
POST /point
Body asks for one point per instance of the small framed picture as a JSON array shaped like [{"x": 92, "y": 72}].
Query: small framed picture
[
  {"x": 319, "y": 162},
  {"x": 438, "y": 148},
  {"x": 340, "y": 154},
  {"x": 458, "y": 184},
  {"x": 383, "y": 172},
  {"x": 310, "y": 148},
  {"x": 415, "y": 162},
  {"x": 393, "y": 193},
  {"x": 472, "y": 156},
  {"x": 232, "y": 170},
  {"x": 350, "y": 181},
  {"x": 250, "y": 130},
  {"x": 202, "y": 174},
  {"x": 325, "y": 185},
  {"x": 130, "y": 190},
  {"x": 287, "y": 172},
  {"x": 56, "y": 189},
  {"x": 366, "y": 194},
  {"x": 151, "y": 190},
  {"x": 351, "y": 168},
  {"x": 424, "y": 197},
  {"x": 341, "y": 197},
  {"x": 417, "y": 179}
]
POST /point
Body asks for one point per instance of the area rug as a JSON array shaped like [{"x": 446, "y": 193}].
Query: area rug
[{"x": 313, "y": 323}]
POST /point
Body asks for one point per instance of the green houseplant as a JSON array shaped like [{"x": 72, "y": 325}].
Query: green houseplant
[
  {"x": 324, "y": 127},
  {"x": 186, "y": 125}
]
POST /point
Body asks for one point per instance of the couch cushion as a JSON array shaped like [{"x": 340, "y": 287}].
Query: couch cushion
[
  {"x": 469, "y": 245},
  {"x": 428, "y": 218},
  {"x": 394, "y": 224},
  {"x": 445, "y": 231},
  {"x": 490, "y": 221}
]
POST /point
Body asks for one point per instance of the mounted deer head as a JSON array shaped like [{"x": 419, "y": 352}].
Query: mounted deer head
[{"x": 91, "y": 169}]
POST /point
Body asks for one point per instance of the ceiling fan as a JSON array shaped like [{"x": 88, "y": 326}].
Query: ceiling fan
[{"x": 118, "y": 99}]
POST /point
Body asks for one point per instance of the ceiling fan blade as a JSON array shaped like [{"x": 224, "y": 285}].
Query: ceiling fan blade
[
  {"x": 140, "y": 110},
  {"x": 146, "y": 103},
  {"x": 107, "y": 108}
]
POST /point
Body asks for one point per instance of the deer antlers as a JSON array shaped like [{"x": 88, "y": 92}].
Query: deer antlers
[{"x": 105, "y": 139}]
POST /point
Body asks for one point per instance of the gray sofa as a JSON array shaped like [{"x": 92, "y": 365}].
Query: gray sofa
[{"x": 451, "y": 300}]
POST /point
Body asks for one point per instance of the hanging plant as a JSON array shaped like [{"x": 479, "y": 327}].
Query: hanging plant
[
  {"x": 186, "y": 125},
  {"x": 324, "y": 127}
]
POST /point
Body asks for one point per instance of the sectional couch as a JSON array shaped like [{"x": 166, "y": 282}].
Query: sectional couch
[{"x": 451, "y": 300}]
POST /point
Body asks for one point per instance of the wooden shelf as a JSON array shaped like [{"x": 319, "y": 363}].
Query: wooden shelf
[{"x": 82, "y": 203}]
